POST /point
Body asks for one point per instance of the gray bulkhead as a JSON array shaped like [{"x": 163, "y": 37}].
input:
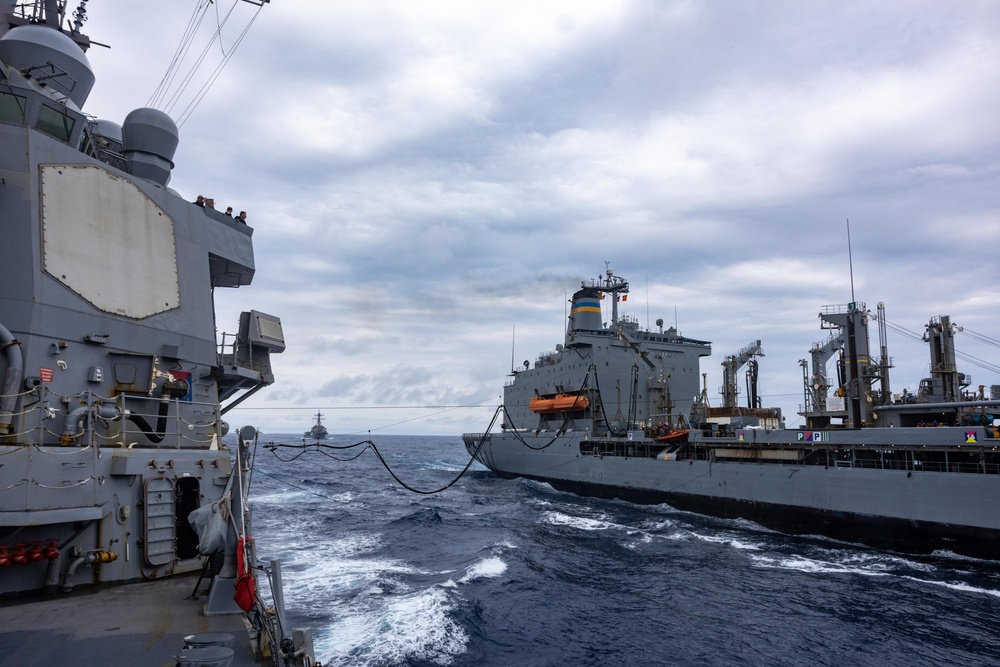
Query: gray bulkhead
[
  {"x": 666, "y": 369},
  {"x": 106, "y": 292}
]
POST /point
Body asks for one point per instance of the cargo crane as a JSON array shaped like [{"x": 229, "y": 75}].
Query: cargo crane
[
  {"x": 731, "y": 366},
  {"x": 817, "y": 384}
]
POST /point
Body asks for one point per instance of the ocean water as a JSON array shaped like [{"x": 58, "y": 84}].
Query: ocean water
[{"x": 512, "y": 572}]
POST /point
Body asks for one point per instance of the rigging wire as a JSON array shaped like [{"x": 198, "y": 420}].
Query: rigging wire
[
  {"x": 176, "y": 81},
  {"x": 218, "y": 23},
  {"x": 518, "y": 437},
  {"x": 218, "y": 69},
  {"x": 562, "y": 427},
  {"x": 216, "y": 35},
  {"x": 368, "y": 444},
  {"x": 443, "y": 408},
  {"x": 906, "y": 333},
  {"x": 294, "y": 486},
  {"x": 182, "y": 48},
  {"x": 975, "y": 361},
  {"x": 982, "y": 338},
  {"x": 318, "y": 448},
  {"x": 440, "y": 412}
]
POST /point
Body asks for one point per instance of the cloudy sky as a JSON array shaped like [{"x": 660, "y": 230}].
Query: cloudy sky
[{"x": 429, "y": 182}]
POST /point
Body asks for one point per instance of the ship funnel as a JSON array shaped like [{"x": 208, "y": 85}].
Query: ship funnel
[
  {"x": 150, "y": 138},
  {"x": 50, "y": 58},
  {"x": 586, "y": 312}
]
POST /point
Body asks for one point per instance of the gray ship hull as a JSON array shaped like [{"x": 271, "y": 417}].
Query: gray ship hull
[{"x": 909, "y": 506}]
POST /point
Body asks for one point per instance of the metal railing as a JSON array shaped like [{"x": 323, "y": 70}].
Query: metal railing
[{"x": 88, "y": 419}]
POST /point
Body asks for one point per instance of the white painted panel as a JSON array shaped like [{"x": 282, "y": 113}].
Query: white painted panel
[{"x": 107, "y": 241}]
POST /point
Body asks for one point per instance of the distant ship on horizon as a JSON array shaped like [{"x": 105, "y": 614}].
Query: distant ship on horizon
[{"x": 318, "y": 431}]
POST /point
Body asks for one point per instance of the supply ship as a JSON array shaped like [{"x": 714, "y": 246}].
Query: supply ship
[
  {"x": 618, "y": 411},
  {"x": 114, "y": 388}
]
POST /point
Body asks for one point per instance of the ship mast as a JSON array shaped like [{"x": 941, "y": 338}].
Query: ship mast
[
  {"x": 50, "y": 13},
  {"x": 614, "y": 285}
]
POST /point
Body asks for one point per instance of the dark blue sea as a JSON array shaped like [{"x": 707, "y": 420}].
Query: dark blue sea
[{"x": 512, "y": 572}]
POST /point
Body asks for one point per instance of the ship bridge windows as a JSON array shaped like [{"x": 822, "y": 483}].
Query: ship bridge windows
[
  {"x": 12, "y": 107},
  {"x": 55, "y": 123}
]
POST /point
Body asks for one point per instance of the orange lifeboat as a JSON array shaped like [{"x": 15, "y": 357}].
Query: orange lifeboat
[
  {"x": 543, "y": 405},
  {"x": 561, "y": 403},
  {"x": 674, "y": 435},
  {"x": 568, "y": 403}
]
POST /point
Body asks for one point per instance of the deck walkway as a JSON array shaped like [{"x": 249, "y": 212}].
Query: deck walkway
[{"x": 135, "y": 624}]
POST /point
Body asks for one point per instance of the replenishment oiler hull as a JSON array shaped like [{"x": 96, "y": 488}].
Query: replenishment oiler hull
[
  {"x": 117, "y": 488},
  {"x": 916, "y": 473}
]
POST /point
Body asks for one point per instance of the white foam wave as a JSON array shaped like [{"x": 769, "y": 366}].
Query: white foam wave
[
  {"x": 583, "y": 523},
  {"x": 446, "y": 466},
  {"x": 869, "y": 566},
  {"x": 332, "y": 574},
  {"x": 299, "y": 547},
  {"x": 297, "y": 494},
  {"x": 534, "y": 483},
  {"x": 340, "y": 565},
  {"x": 488, "y": 568},
  {"x": 394, "y": 630},
  {"x": 885, "y": 562},
  {"x": 957, "y": 586},
  {"x": 659, "y": 525},
  {"x": 355, "y": 544},
  {"x": 813, "y": 566},
  {"x": 644, "y": 538},
  {"x": 944, "y": 554},
  {"x": 679, "y": 536},
  {"x": 731, "y": 540},
  {"x": 746, "y": 524},
  {"x": 277, "y": 498}
]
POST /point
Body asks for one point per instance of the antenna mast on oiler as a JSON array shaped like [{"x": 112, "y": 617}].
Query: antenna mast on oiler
[
  {"x": 513, "y": 330},
  {"x": 850, "y": 258}
]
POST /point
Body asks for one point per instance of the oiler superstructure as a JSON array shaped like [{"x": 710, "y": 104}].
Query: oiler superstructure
[
  {"x": 607, "y": 378},
  {"x": 114, "y": 389},
  {"x": 911, "y": 472}
]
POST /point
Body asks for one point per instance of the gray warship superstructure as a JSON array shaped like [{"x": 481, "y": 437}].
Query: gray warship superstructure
[
  {"x": 318, "y": 431},
  {"x": 113, "y": 385},
  {"x": 618, "y": 411}
]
